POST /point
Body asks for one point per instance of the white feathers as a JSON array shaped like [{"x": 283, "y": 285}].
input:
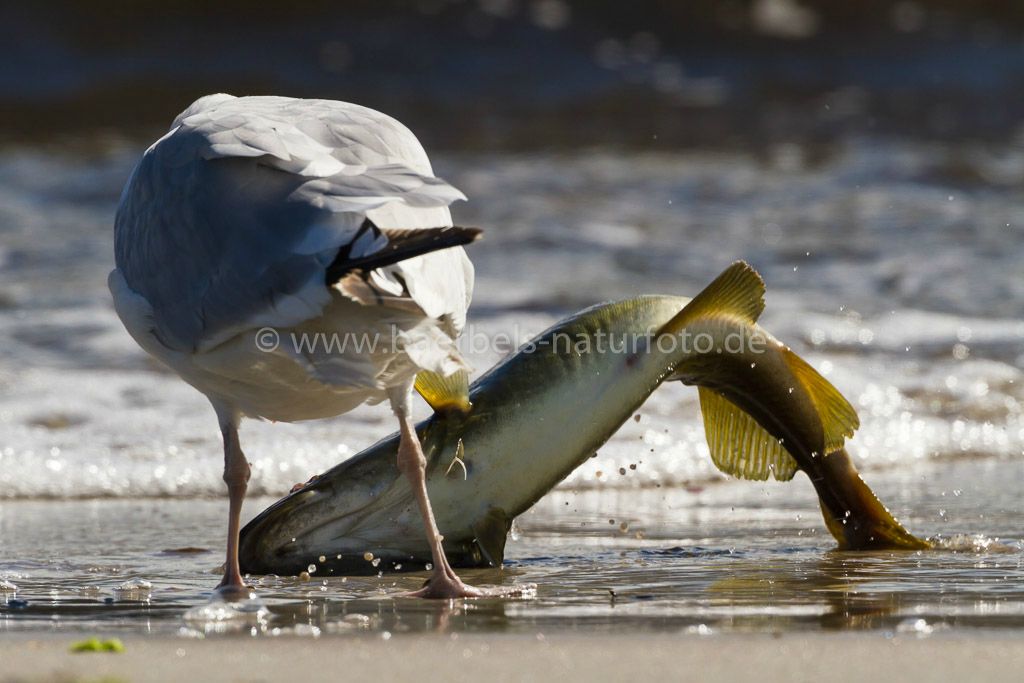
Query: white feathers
[
  {"x": 239, "y": 209},
  {"x": 230, "y": 220}
]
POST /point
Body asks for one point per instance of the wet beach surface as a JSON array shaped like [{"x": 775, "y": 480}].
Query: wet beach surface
[{"x": 721, "y": 558}]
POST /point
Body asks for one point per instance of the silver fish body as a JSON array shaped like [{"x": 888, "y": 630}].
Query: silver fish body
[
  {"x": 542, "y": 412},
  {"x": 535, "y": 417}
]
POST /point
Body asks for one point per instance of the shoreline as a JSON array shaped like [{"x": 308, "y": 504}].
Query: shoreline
[{"x": 500, "y": 657}]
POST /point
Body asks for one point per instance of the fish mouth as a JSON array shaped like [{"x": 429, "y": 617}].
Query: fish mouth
[
  {"x": 262, "y": 546},
  {"x": 309, "y": 531}
]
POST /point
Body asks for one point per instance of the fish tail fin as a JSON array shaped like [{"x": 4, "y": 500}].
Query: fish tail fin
[
  {"x": 742, "y": 447},
  {"x": 768, "y": 413},
  {"x": 853, "y": 513}
]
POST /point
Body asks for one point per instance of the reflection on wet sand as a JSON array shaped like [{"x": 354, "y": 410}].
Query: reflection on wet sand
[{"x": 731, "y": 557}]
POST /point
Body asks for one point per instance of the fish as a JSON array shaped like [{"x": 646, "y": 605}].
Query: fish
[{"x": 495, "y": 447}]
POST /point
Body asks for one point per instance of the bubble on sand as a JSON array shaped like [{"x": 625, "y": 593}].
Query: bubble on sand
[
  {"x": 918, "y": 627},
  {"x": 134, "y": 589},
  {"x": 299, "y": 630},
  {"x": 227, "y": 616}
]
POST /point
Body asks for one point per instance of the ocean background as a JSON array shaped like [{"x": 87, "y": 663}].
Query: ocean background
[
  {"x": 871, "y": 167},
  {"x": 901, "y": 285}
]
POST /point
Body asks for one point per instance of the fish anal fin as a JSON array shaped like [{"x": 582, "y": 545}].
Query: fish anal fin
[
  {"x": 490, "y": 533},
  {"x": 445, "y": 393},
  {"x": 838, "y": 418},
  {"x": 739, "y": 445},
  {"x": 738, "y": 292}
]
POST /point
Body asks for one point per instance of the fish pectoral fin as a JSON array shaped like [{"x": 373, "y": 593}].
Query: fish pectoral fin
[
  {"x": 445, "y": 393},
  {"x": 458, "y": 459},
  {"x": 490, "y": 534},
  {"x": 739, "y": 445},
  {"x": 838, "y": 418},
  {"x": 737, "y": 292}
]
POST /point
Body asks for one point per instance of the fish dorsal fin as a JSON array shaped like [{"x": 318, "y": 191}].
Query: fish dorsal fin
[
  {"x": 739, "y": 445},
  {"x": 838, "y": 418},
  {"x": 444, "y": 393},
  {"x": 737, "y": 292}
]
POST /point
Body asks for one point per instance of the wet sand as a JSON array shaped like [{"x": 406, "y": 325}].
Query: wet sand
[
  {"x": 685, "y": 657},
  {"x": 737, "y": 558}
]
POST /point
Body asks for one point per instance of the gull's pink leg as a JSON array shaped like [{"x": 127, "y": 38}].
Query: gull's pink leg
[
  {"x": 236, "y": 476},
  {"x": 444, "y": 583}
]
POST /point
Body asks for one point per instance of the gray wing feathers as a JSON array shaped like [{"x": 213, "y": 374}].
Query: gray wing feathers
[{"x": 230, "y": 220}]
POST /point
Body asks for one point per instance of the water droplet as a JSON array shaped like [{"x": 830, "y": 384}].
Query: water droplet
[{"x": 918, "y": 627}]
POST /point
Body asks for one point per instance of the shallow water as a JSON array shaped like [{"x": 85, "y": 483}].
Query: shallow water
[
  {"x": 894, "y": 268},
  {"x": 728, "y": 557}
]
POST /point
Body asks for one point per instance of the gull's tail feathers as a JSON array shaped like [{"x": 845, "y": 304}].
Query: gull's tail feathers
[{"x": 401, "y": 245}]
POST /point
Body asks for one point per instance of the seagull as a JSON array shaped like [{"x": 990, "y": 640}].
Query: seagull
[{"x": 293, "y": 259}]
